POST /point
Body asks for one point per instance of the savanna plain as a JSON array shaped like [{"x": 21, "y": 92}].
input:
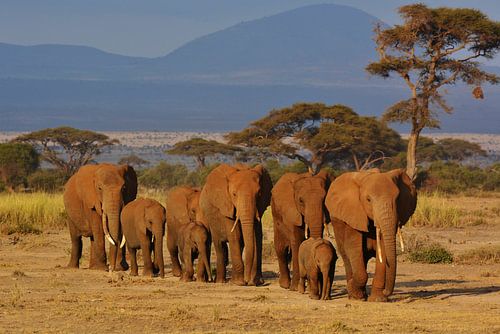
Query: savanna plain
[{"x": 458, "y": 294}]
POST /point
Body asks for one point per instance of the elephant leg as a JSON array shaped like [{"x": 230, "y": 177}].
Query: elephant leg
[
  {"x": 281, "y": 246},
  {"x": 221, "y": 255},
  {"x": 297, "y": 238},
  {"x": 356, "y": 285},
  {"x": 98, "y": 253},
  {"x": 201, "y": 275},
  {"x": 173, "y": 249},
  {"x": 302, "y": 280},
  {"x": 146, "y": 256},
  {"x": 313, "y": 285},
  {"x": 134, "y": 270},
  {"x": 378, "y": 282},
  {"x": 235, "y": 247},
  {"x": 76, "y": 248},
  {"x": 257, "y": 264},
  {"x": 121, "y": 260}
]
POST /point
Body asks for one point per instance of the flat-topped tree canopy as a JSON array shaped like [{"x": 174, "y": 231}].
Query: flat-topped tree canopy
[
  {"x": 200, "y": 148},
  {"x": 67, "y": 148},
  {"x": 317, "y": 134},
  {"x": 431, "y": 49}
]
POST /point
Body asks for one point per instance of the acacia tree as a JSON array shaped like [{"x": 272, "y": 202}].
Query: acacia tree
[
  {"x": 67, "y": 148},
  {"x": 433, "y": 48},
  {"x": 314, "y": 134},
  {"x": 133, "y": 160},
  {"x": 200, "y": 149}
]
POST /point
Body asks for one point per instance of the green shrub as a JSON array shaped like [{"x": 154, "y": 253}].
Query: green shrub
[
  {"x": 47, "y": 180},
  {"x": 17, "y": 161},
  {"x": 163, "y": 176},
  {"x": 432, "y": 253},
  {"x": 197, "y": 177}
]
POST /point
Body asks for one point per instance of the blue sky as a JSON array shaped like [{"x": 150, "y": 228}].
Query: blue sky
[{"x": 153, "y": 28}]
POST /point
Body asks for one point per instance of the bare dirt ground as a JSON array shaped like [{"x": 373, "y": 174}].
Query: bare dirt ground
[{"x": 37, "y": 294}]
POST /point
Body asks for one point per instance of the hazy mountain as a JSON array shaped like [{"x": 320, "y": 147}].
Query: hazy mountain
[
  {"x": 217, "y": 82},
  {"x": 52, "y": 61}
]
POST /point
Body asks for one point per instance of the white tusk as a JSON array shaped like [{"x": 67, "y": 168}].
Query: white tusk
[
  {"x": 257, "y": 216},
  {"x": 111, "y": 241},
  {"x": 306, "y": 232},
  {"x": 401, "y": 240},
  {"x": 123, "y": 241},
  {"x": 379, "y": 250},
  {"x": 106, "y": 231},
  {"x": 153, "y": 238},
  {"x": 235, "y": 222}
]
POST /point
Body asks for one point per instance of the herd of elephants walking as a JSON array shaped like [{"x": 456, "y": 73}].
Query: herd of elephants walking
[{"x": 366, "y": 208}]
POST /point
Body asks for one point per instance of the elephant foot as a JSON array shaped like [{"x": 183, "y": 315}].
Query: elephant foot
[
  {"x": 72, "y": 266},
  {"x": 315, "y": 297},
  {"x": 186, "y": 279},
  {"x": 123, "y": 266},
  {"x": 284, "y": 282},
  {"x": 355, "y": 292},
  {"x": 176, "y": 272},
  {"x": 377, "y": 298},
  {"x": 256, "y": 282},
  {"x": 238, "y": 281},
  {"x": 294, "y": 286},
  {"x": 133, "y": 273},
  {"x": 98, "y": 266},
  {"x": 302, "y": 289},
  {"x": 148, "y": 272}
]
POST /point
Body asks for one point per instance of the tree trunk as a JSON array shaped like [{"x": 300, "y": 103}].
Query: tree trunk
[
  {"x": 200, "y": 160},
  {"x": 411, "y": 154}
]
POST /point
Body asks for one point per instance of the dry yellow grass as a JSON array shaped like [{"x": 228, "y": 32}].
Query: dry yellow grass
[{"x": 31, "y": 213}]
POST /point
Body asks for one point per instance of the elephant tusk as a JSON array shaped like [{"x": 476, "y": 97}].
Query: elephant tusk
[
  {"x": 123, "y": 241},
  {"x": 106, "y": 231},
  {"x": 379, "y": 250},
  {"x": 306, "y": 232},
  {"x": 235, "y": 222},
  {"x": 257, "y": 216},
  {"x": 153, "y": 238},
  {"x": 401, "y": 240}
]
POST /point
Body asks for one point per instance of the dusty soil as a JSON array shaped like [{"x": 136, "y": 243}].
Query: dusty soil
[{"x": 37, "y": 294}]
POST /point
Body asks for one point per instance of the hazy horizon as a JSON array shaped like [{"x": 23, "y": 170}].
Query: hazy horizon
[{"x": 155, "y": 28}]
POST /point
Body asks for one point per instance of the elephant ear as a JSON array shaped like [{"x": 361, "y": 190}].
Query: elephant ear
[
  {"x": 343, "y": 201},
  {"x": 266, "y": 185},
  {"x": 86, "y": 187},
  {"x": 130, "y": 178},
  {"x": 217, "y": 186},
  {"x": 284, "y": 198},
  {"x": 407, "y": 199}
]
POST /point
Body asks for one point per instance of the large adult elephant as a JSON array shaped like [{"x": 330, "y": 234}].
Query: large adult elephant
[
  {"x": 93, "y": 198},
  {"x": 366, "y": 209},
  {"x": 232, "y": 202},
  {"x": 182, "y": 205},
  {"x": 297, "y": 205}
]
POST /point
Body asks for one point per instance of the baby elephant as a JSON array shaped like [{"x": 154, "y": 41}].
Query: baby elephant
[
  {"x": 143, "y": 225},
  {"x": 317, "y": 259},
  {"x": 194, "y": 242}
]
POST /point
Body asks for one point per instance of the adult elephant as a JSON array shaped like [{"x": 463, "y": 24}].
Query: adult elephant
[
  {"x": 232, "y": 202},
  {"x": 297, "y": 205},
  {"x": 93, "y": 198},
  {"x": 366, "y": 209},
  {"x": 182, "y": 205}
]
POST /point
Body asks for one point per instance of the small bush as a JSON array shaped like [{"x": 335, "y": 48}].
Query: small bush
[
  {"x": 163, "y": 176},
  {"x": 433, "y": 253},
  {"x": 47, "y": 180},
  {"x": 481, "y": 255}
]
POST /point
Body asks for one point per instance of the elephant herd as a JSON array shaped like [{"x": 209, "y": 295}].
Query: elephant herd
[{"x": 365, "y": 208}]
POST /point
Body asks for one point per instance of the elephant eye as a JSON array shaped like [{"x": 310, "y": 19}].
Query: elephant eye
[{"x": 368, "y": 199}]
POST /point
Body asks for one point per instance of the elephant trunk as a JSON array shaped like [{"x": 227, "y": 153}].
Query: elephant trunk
[
  {"x": 112, "y": 204},
  {"x": 247, "y": 213},
  {"x": 386, "y": 221},
  {"x": 158, "y": 250},
  {"x": 314, "y": 219}
]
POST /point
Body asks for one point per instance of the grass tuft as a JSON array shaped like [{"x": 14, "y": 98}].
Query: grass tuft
[
  {"x": 31, "y": 213},
  {"x": 481, "y": 255},
  {"x": 432, "y": 253},
  {"x": 435, "y": 210}
]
